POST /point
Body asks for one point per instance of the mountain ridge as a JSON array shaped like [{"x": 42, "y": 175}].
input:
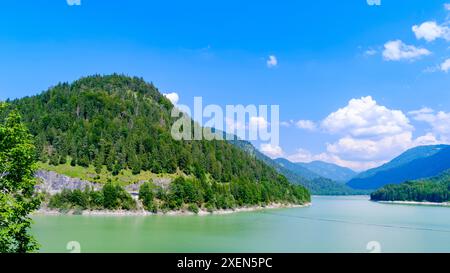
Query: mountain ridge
[
  {"x": 330, "y": 171},
  {"x": 317, "y": 185},
  {"x": 416, "y": 163}
]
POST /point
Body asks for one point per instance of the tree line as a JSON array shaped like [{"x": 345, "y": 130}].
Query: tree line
[
  {"x": 183, "y": 193},
  {"x": 436, "y": 189}
]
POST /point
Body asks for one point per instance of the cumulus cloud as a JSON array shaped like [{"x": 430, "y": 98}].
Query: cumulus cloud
[
  {"x": 370, "y": 134},
  {"x": 306, "y": 125},
  {"x": 273, "y": 151},
  {"x": 272, "y": 61},
  {"x": 73, "y": 2},
  {"x": 173, "y": 97},
  {"x": 397, "y": 50},
  {"x": 447, "y": 6},
  {"x": 370, "y": 149},
  {"x": 431, "y": 31},
  {"x": 438, "y": 121},
  {"x": 258, "y": 122},
  {"x": 364, "y": 117},
  {"x": 445, "y": 66}
]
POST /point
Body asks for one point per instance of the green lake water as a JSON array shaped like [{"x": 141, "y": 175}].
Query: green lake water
[{"x": 331, "y": 224}]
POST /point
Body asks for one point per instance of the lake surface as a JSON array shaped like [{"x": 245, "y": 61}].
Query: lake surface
[{"x": 331, "y": 224}]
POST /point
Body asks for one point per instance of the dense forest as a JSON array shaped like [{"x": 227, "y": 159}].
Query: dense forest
[
  {"x": 191, "y": 194},
  {"x": 122, "y": 123},
  {"x": 435, "y": 189}
]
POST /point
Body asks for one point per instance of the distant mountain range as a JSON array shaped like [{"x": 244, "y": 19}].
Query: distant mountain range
[
  {"x": 330, "y": 171},
  {"x": 319, "y": 169},
  {"x": 417, "y": 163},
  {"x": 297, "y": 168},
  {"x": 298, "y": 174}
]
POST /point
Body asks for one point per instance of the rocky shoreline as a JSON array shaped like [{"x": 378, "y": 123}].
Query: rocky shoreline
[
  {"x": 45, "y": 211},
  {"x": 53, "y": 183}
]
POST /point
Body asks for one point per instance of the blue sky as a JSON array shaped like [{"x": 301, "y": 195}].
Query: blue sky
[{"x": 328, "y": 53}]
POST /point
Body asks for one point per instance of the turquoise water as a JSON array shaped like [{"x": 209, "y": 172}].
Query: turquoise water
[{"x": 332, "y": 224}]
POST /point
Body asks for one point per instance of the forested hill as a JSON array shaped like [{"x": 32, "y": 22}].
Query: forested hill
[
  {"x": 435, "y": 189},
  {"x": 120, "y": 123}
]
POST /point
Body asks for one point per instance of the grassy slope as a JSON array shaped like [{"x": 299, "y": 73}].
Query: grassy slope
[{"x": 125, "y": 177}]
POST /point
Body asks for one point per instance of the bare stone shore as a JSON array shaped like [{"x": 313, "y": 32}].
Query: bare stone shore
[
  {"x": 447, "y": 204},
  {"x": 45, "y": 211}
]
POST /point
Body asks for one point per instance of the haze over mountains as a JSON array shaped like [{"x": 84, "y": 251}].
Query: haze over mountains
[
  {"x": 317, "y": 169},
  {"x": 296, "y": 174},
  {"x": 417, "y": 163}
]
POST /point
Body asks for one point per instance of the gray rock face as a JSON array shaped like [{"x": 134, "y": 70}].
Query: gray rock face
[
  {"x": 162, "y": 182},
  {"x": 53, "y": 183}
]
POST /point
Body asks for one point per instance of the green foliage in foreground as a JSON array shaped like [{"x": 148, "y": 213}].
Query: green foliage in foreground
[
  {"x": 17, "y": 183},
  {"x": 436, "y": 189},
  {"x": 191, "y": 194}
]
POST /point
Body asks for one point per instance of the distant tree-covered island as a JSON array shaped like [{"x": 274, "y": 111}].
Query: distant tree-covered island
[
  {"x": 115, "y": 130},
  {"x": 435, "y": 190}
]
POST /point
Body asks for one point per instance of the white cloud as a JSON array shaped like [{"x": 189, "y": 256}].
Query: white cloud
[
  {"x": 272, "y": 151},
  {"x": 365, "y": 118},
  {"x": 306, "y": 125},
  {"x": 234, "y": 125},
  {"x": 432, "y": 69},
  {"x": 447, "y": 6},
  {"x": 369, "y": 134},
  {"x": 272, "y": 61},
  {"x": 173, "y": 97},
  {"x": 445, "y": 66},
  {"x": 287, "y": 123},
  {"x": 370, "y": 52},
  {"x": 73, "y": 2},
  {"x": 428, "y": 139},
  {"x": 439, "y": 122},
  {"x": 258, "y": 122},
  {"x": 302, "y": 155},
  {"x": 371, "y": 149},
  {"x": 397, "y": 50},
  {"x": 431, "y": 31}
]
